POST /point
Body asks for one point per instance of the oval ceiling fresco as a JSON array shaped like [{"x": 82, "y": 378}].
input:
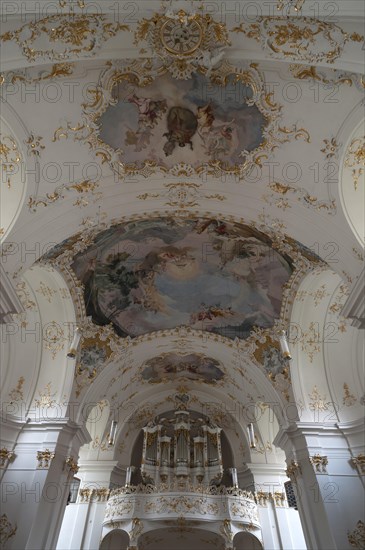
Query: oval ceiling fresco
[
  {"x": 158, "y": 274},
  {"x": 173, "y": 366}
]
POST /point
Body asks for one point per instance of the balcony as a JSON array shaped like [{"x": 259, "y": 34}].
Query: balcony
[{"x": 195, "y": 503}]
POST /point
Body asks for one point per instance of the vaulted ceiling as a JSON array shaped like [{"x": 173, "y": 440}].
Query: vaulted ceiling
[{"x": 172, "y": 177}]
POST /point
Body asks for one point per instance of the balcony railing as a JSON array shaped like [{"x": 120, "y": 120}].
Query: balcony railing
[{"x": 171, "y": 501}]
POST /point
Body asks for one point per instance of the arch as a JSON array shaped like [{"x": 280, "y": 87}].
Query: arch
[
  {"x": 115, "y": 540},
  {"x": 246, "y": 541}
]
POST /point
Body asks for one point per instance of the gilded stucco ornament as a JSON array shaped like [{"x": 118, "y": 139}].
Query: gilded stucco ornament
[
  {"x": 5, "y": 456},
  {"x": 34, "y": 145},
  {"x": 10, "y": 158},
  {"x": 330, "y": 78},
  {"x": 355, "y": 159},
  {"x": 122, "y": 83},
  {"x": 67, "y": 35},
  {"x": 282, "y": 192},
  {"x": 25, "y": 76},
  {"x": 293, "y": 471},
  {"x": 357, "y": 537},
  {"x": 299, "y": 39},
  {"x": 183, "y": 195},
  {"x": 184, "y": 43},
  {"x": 86, "y": 191},
  {"x": 7, "y": 530},
  {"x": 319, "y": 463},
  {"x": 44, "y": 459}
]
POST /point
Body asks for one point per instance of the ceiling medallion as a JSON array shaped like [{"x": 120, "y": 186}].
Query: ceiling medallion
[{"x": 184, "y": 42}]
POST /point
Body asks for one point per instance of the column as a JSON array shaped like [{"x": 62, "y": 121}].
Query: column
[
  {"x": 326, "y": 480},
  {"x": 82, "y": 525},
  {"x": 36, "y": 481},
  {"x": 281, "y": 527}
]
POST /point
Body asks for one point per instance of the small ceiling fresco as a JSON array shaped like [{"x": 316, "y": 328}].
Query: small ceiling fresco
[
  {"x": 176, "y": 367},
  {"x": 162, "y": 273},
  {"x": 194, "y": 122}
]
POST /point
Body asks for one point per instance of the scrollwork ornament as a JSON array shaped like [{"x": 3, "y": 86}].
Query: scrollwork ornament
[
  {"x": 67, "y": 36},
  {"x": 299, "y": 38}
]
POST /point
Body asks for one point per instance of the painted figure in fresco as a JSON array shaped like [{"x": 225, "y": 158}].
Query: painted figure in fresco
[
  {"x": 219, "y": 140},
  {"x": 149, "y": 113},
  {"x": 182, "y": 125}
]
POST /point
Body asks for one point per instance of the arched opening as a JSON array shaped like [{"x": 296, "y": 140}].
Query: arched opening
[
  {"x": 115, "y": 540},
  {"x": 246, "y": 541}
]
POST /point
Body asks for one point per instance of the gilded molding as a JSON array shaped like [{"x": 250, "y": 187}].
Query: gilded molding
[
  {"x": 357, "y": 537},
  {"x": 44, "y": 459},
  {"x": 299, "y": 39},
  {"x": 319, "y": 463},
  {"x": 78, "y": 35},
  {"x": 7, "y": 531}
]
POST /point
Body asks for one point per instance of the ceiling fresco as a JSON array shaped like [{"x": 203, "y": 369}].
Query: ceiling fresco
[
  {"x": 162, "y": 273},
  {"x": 172, "y": 367},
  {"x": 193, "y": 122}
]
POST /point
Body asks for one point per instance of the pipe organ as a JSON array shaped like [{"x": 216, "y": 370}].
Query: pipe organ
[{"x": 181, "y": 447}]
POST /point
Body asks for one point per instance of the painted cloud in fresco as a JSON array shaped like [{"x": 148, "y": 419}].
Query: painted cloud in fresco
[
  {"x": 158, "y": 274},
  {"x": 191, "y": 121},
  {"x": 172, "y": 366}
]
